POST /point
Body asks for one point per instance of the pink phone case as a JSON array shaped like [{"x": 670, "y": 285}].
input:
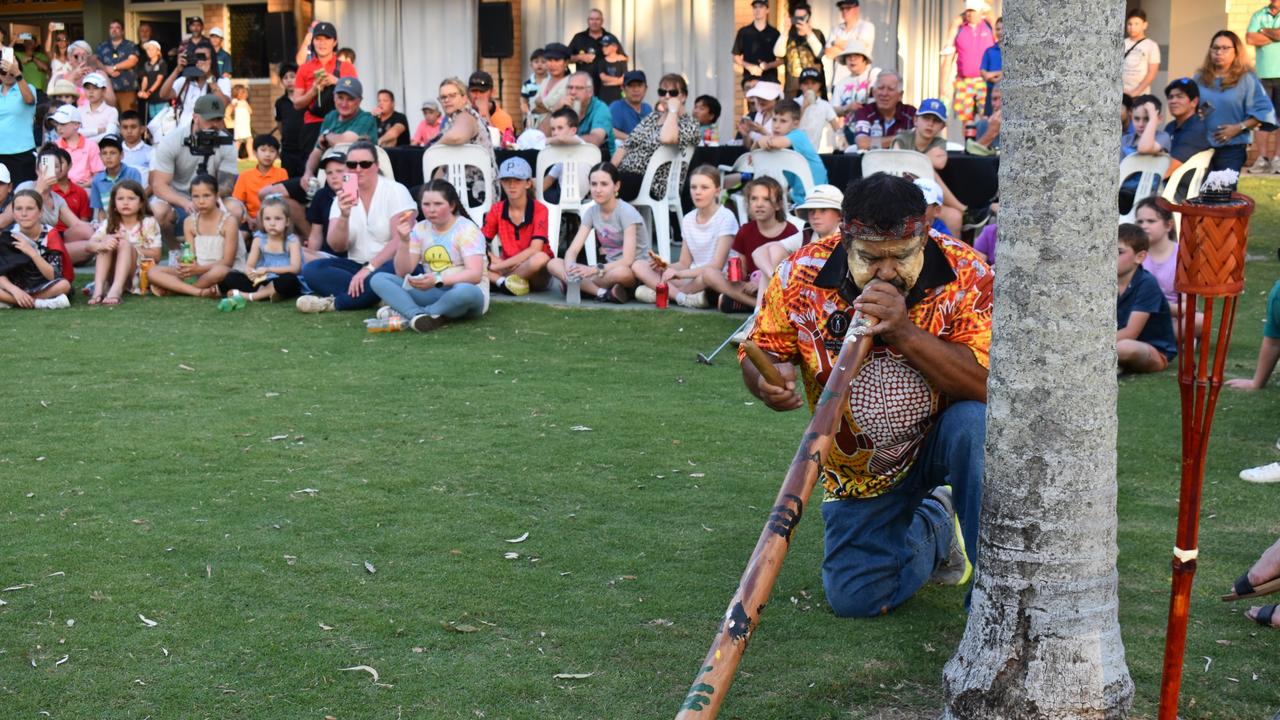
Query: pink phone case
[{"x": 349, "y": 185}]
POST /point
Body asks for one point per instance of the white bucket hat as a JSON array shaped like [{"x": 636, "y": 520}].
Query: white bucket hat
[{"x": 823, "y": 197}]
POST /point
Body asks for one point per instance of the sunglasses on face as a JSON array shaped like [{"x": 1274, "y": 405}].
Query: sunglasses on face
[
  {"x": 202, "y": 58},
  {"x": 362, "y": 164},
  {"x": 663, "y": 92}
]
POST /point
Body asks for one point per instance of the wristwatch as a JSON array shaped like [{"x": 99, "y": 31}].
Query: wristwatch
[
  {"x": 439, "y": 280},
  {"x": 370, "y": 268}
]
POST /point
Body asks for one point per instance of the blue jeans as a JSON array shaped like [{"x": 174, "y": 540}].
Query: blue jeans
[
  {"x": 1228, "y": 157},
  {"x": 455, "y": 301},
  {"x": 332, "y": 276},
  {"x": 881, "y": 550}
]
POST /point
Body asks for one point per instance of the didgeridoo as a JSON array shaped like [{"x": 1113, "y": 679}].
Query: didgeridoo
[
  {"x": 763, "y": 363},
  {"x": 718, "y": 667}
]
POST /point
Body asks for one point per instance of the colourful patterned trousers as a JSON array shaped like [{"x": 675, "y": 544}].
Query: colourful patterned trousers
[{"x": 969, "y": 93}]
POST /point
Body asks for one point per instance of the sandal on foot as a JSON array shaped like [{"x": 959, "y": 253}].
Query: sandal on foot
[
  {"x": 1263, "y": 617},
  {"x": 110, "y": 300},
  {"x": 1243, "y": 589},
  {"x": 95, "y": 300}
]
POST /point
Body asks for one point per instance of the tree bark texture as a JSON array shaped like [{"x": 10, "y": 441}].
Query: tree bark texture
[{"x": 1043, "y": 636}]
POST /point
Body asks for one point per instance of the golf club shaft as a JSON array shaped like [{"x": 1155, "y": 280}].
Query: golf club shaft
[
  {"x": 729, "y": 339},
  {"x": 716, "y": 672}
]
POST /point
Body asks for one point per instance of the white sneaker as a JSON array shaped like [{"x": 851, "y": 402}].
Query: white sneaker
[
  {"x": 313, "y": 304},
  {"x": 1275, "y": 165},
  {"x": 1262, "y": 474},
  {"x": 646, "y": 294},
  {"x": 696, "y": 300},
  {"x": 54, "y": 303},
  {"x": 386, "y": 312},
  {"x": 1260, "y": 166}
]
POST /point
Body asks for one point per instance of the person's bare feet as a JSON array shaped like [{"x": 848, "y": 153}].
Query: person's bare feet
[
  {"x": 1253, "y": 612},
  {"x": 1267, "y": 567}
]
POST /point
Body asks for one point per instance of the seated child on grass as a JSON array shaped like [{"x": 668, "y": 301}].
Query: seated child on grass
[
  {"x": 620, "y": 235},
  {"x": 1144, "y": 330},
  {"x": 766, "y": 208},
  {"x": 128, "y": 235},
  {"x": 214, "y": 239},
  {"x": 708, "y": 231},
  {"x": 34, "y": 281},
  {"x": 273, "y": 270},
  {"x": 519, "y": 222}
]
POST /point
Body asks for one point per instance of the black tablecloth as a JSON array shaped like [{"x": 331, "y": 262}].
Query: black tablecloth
[{"x": 973, "y": 180}]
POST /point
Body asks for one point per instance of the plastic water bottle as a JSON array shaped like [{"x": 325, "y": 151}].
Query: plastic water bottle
[
  {"x": 188, "y": 256},
  {"x": 395, "y": 323},
  {"x": 573, "y": 291}
]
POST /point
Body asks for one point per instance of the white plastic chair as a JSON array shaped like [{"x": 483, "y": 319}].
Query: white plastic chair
[
  {"x": 1197, "y": 166},
  {"x": 660, "y": 209},
  {"x": 1150, "y": 170},
  {"x": 455, "y": 159},
  {"x": 777, "y": 163},
  {"x": 576, "y": 161},
  {"x": 742, "y": 164},
  {"x": 896, "y": 162}
]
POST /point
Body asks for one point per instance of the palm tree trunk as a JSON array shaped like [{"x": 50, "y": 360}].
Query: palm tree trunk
[{"x": 1043, "y": 637}]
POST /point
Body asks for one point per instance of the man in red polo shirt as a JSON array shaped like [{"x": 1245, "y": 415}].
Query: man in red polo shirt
[
  {"x": 520, "y": 224},
  {"x": 313, "y": 86}
]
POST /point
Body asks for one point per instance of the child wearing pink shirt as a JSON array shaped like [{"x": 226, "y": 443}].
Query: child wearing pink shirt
[{"x": 85, "y": 160}]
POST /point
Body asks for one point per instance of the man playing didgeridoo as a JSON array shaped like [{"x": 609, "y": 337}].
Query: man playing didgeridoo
[{"x": 903, "y": 483}]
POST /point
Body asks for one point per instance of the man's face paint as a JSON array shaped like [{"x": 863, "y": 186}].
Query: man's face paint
[{"x": 896, "y": 257}]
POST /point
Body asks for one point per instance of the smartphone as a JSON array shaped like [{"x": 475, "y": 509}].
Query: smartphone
[
  {"x": 349, "y": 185},
  {"x": 59, "y": 26},
  {"x": 6, "y": 56},
  {"x": 1204, "y": 109},
  {"x": 48, "y": 166}
]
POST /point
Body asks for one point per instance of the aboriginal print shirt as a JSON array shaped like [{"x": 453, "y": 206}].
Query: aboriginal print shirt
[{"x": 892, "y": 406}]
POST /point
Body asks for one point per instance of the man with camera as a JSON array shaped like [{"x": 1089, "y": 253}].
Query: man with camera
[
  {"x": 192, "y": 78},
  {"x": 180, "y": 156}
]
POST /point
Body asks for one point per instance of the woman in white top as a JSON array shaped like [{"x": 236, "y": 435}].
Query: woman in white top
[
  {"x": 189, "y": 90},
  {"x": 360, "y": 227},
  {"x": 708, "y": 232},
  {"x": 553, "y": 92}
]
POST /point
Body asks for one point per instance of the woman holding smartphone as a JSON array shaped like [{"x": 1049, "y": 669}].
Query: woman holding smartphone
[{"x": 17, "y": 144}]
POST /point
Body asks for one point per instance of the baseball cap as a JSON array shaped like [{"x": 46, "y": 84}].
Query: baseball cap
[
  {"x": 150, "y": 43},
  {"x": 634, "y": 76},
  {"x": 935, "y": 107},
  {"x": 977, "y": 5},
  {"x": 515, "y": 168},
  {"x": 932, "y": 192},
  {"x": 480, "y": 80},
  {"x": 210, "y": 107},
  {"x": 759, "y": 2},
  {"x": 95, "y": 79},
  {"x": 844, "y": 3},
  {"x": 765, "y": 90},
  {"x": 556, "y": 51},
  {"x": 608, "y": 39},
  {"x": 195, "y": 19},
  {"x": 331, "y": 155},
  {"x": 810, "y": 74},
  {"x": 66, "y": 114},
  {"x": 431, "y": 105},
  {"x": 324, "y": 29},
  {"x": 1186, "y": 85},
  {"x": 112, "y": 140},
  {"x": 855, "y": 47},
  {"x": 823, "y": 197},
  {"x": 349, "y": 86},
  {"x": 61, "y": 86},
  {"x": 4, "y": 175},
  {"x": 216, "y": 32}
]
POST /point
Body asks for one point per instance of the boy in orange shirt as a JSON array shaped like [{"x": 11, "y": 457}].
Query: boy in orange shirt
[{"x": 251, "y": 182}]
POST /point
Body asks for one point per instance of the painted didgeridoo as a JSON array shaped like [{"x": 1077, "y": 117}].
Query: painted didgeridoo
[{"x": 718, "y": 667}]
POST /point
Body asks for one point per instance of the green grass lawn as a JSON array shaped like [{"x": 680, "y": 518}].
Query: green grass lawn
[{"x": 237, "y": 478}]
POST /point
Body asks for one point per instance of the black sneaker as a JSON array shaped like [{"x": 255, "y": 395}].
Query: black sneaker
[
  {"x": 727, "y": 304},
  {"x": 426, "y": 323},
  {"x": 616, "y": 295}
]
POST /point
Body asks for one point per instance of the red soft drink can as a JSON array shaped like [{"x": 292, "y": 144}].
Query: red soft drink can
[
  {"x": 735, "y": 269},
  {"x": 971, "y": 131},
  {"x": 661, "y": 292}
]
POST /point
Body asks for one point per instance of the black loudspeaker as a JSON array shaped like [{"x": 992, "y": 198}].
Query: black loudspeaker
[
  {"x": 282, "y": 37},
  {"x": 497, "y": 30}
]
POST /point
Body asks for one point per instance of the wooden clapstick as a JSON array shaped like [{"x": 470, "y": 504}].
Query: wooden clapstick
[{"x": 764, "y": 363}]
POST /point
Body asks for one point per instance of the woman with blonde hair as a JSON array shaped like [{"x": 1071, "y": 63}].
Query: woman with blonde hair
[{"x": 1236, "y": 101}]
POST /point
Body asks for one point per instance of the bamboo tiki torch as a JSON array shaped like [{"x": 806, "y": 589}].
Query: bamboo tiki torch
[
  {"x": 1210, "y": 269},
  {"x": 717, "y": 669}
]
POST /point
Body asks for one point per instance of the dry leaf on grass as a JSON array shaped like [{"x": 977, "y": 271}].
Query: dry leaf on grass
[
  {"x": 290, "y": 559},
  {"x": 511, "y": 555},
  {"x": 147, "y": 621},
  {"x": 580, "y": 428},
  {"x": 325, "y": 627},
  {"x": 188, "y": 368},
  {"x": 273, "y": 438},
  {"x": 365, "y": 668},
  {"x": 23, "y": 586},
  {"x": 459, "y": 627},
  {"x": 573, "y": 676},
  {"x": 369, "y": 567},
  {"x": 520, "y": 539},
  {"x": 61, "y": 660}
]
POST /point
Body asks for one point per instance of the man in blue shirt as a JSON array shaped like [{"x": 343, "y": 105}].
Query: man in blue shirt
[
  {"x": 1187, "y": 132},
  {"x": 119, "y": 56},
  {"x": 596, "y": 125},
  {"x": 627, "y": 112},
  {"x": 992, "y": 67}
]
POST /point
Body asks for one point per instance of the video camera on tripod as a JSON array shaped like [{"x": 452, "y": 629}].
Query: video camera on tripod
[{"x": 205, "y": 143}]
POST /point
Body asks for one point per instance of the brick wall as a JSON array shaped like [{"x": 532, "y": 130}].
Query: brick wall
[{"x": 512, "y": 68}]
